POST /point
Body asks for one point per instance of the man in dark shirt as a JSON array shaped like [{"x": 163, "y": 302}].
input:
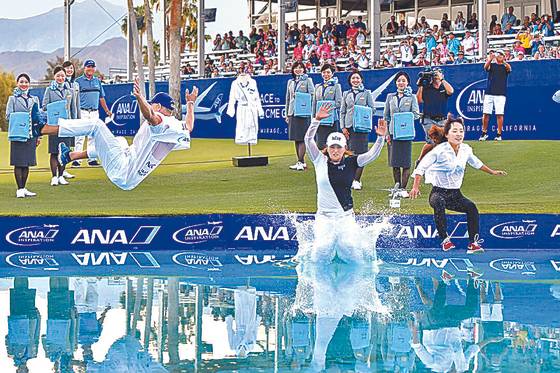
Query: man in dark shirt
[
  {"x": 392, "y": 26},
  {"x": 360, "y": 24},
  {"x": 495, "y": 95},
  {"x": 434, "y": 97},
  {"x": 341, "y": 29}
]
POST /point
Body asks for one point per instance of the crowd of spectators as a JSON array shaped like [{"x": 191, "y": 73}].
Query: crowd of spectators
[{"x": 345, "y": 44}]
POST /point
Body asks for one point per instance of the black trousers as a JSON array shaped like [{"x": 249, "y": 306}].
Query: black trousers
[{"x": 442, "y": 199}]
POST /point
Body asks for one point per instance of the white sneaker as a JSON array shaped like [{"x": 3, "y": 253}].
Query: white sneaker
[
  {"x": 54, "y": 181},
  {"x": 28, "y": 193},
  {"x": 294, "y": 166},
  {"x": 68, "y": 175},
  {"x": 20, "y": 193},
  {"x": 356, "y": 185},
  {"x": 483, "y": 137},
  {"x": 62, "y": 180},
  {"x": 403, "y": 194},
  {"x": 300, "y": 167}
]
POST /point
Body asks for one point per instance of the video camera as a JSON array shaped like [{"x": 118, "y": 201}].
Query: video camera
[{"x": 426, "y": 77}]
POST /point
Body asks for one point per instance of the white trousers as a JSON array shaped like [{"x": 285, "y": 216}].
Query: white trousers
[
  {"x": 111, "y": 150},
  {"x": 80, "y": 140},
  {"x": 247, "y": 127}
]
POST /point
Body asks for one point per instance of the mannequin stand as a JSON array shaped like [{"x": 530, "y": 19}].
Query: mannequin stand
[{"x": 250, "y": 160}]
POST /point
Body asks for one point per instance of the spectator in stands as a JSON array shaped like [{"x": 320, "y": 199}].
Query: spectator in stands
[
  {"x": 344, "y": 52},
  {"x": 546, "y": 27},
  {"x": 534, "y": 19},
  {"x": 460, "y": 22},
  {"x": 541, "y": 53},
  {"x": 270, "y": 49},
  {"x": 526, "y": 23},
  {"x": 423, "y": 24},
  {"x": 517, "y": 47},
  {"x": 497, "y": 30},
  {"x": 226, "y": 43},
  {"x": 328, "y": 27},
  {"x": 315, "y": 29},
  {"x": 435, "y": 96},
  {"x": 357, "y": 140},
  {"x": 453, "y": 44},
  {"x": 293, "y": 34},
  {"x": 363, "y": 59},
  {"x": 253, "y": 38},
  {"x": 535, "y": 43},
  {"x": 392, "y": 26},
  {"x": 308, "y": 49},
  {"x": 298, "y": 51},
  {"x": 260, "y": 59},
  {"x": 445, "y": 22},
  {"x": 215, "y": 73},
  {"x": 460, "y": 58},
  {"x": 508, "y": 17},
  {"x": 509, "y": 30},
  {"x": 450, "y": 59},
  {"x": 420, "y": 43},
  {"x": 525, "y": 37},
  {"x": 360, "y": 23},
  {"x": 352, "y": 65},
  {"x": 242, "y": 42},
  {"x": 508, "y": 55},
  {"x": 472, "y": 24},
  {"x": 351, "y": 33},
  {"x": 443, "y": 49},
  {"x": 324, "y": 50},
  {"x": 493, "y": 23},
  {"x": 341, "y": 30},
  {"x": 421, "y": 60},
  {"x": 520, "y": 56},
  {"x": 407, "y": 53},
  {"x": 495, "y": 96},
  {"x": 390, "y": 57},
  {"x": 431, "y": 42},
  {"x": 469, "y": 44},
  {"x": 217, "y": 43},
  {"x": 314, "y": 59},
  {"x": 361, "y": 38},
  {"x": 400, "y": 151},
  {"x": 403, "y": 28},
  {"x": 297, "y": 126}
]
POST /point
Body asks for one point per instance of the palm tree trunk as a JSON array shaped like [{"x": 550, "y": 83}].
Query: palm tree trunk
[
  {"x": 137, "y": 47},
  {"x": 175, "y": 52},
  {"x": 150, "y": 42}
]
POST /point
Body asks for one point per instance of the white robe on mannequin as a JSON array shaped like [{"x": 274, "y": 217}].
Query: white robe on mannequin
[{"x": 244, "y": 91}]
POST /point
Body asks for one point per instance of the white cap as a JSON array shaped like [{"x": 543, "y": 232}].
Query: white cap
[{"x": 336, "y": 138}]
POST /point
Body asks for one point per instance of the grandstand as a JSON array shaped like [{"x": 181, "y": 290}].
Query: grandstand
[{"x": 259, "y": 51}]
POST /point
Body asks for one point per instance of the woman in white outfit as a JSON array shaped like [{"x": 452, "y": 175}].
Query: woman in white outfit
[{"x": 336, "y": 230}]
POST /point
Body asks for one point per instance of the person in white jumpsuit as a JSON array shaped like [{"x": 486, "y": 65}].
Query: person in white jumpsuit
[
  {"x": 336, "y": 230},
  {"x": 127, "y": 166},
  {"x": 244, "y": 91}
]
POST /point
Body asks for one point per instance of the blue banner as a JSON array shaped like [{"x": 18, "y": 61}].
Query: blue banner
[
  {"x": 533, "y": 101},
  {"x": 273, "y": 233}
]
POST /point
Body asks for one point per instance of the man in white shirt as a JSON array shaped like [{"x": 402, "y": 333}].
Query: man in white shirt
[
  {"x": 407, "y": 53},
  {"x": 308, "y": 49},
  {"x": 363, "y": 60},
  {"x": 127, "y": 166},
  {"x": 469, "y": 44}
]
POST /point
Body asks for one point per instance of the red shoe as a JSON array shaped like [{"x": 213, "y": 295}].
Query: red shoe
[
  {"x": 474, "y": 247},
  {"x": 447, "y": 245}
]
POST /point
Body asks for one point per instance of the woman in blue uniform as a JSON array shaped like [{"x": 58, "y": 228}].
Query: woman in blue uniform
[
  {"x": 357, "y": 98},
  {"x": 336, "y": 230},
  {"x": 331, "y": 91},
  {"x": 22, "y": 153},
  {"x": 59, "y": 90},
  {"x": 70, "y": 71},
  {"x": 400, "y": 151},
  {"x": 300, "y": 89}
]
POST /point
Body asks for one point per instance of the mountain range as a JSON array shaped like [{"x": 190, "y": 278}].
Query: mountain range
[
  {"x": 111, "y": 53},
  {"x": 28, "y": 43}
]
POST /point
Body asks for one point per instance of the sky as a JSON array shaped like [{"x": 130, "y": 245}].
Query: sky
[{"x": 224, "y": 20}]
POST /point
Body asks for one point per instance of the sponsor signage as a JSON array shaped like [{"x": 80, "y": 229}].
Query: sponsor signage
[
  {"x": 514, "y": 265},
  {"x": 198, "y": 261},
  {"x": 276, "y": 233},
  {"x": 535, "y": 79},
  {"x": 33, "y": 261}
]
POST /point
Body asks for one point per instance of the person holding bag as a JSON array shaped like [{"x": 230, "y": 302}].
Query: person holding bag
[
  {"x": 401, "y": 110},
  {"x": 22, "y": 111},
  {"x": 356, "y": 114},
  {"x": 299, "y": 93},
  {"x": 330, "y": 92},
  {"x": 59, "y": 101}
]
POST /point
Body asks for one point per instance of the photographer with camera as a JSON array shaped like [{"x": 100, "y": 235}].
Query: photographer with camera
[{"x": 434, "y": 92}]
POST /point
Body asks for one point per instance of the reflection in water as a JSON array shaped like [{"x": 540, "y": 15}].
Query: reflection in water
[{"x": 335, "y": 318}]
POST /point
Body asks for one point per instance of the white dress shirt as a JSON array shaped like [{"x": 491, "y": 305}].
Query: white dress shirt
[{"x": 445, "y": 169}]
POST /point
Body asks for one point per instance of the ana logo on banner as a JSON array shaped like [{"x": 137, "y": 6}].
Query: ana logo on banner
[
  {"x": 32, "y": 260},
  {"x": 33, "y": 235}
]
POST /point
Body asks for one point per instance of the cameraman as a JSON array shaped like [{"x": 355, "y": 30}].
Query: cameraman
[{"x": 433, "y": 92}]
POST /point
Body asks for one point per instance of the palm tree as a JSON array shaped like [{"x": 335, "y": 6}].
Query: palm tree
[
  {"x": 150, "y": 44},
  {"x": 137, "y": 47},
  {"x": 175, "y": 23}
]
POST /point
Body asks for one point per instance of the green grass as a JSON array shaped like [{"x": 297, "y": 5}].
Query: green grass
[{"x": 202, "y": 180}]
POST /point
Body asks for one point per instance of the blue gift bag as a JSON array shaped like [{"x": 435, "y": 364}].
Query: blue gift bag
[
  {"x": 302, "y": 105},
  {"x": 19, "y": 126},
  {"x": 328, "y": 121},
  {"x": 403, "y": 126},
  {"x": 362, "y": 118},
  {"x": 55, "y": 111}
]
